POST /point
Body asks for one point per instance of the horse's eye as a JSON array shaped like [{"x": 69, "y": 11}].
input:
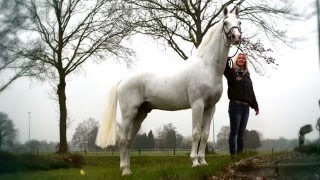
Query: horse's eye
[
  {"x": 225, "y": 23},
  {"x": 239, "y": 22}
]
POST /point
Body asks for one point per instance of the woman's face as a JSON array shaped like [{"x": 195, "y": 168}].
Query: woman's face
[{"x": 241, "y": 61}]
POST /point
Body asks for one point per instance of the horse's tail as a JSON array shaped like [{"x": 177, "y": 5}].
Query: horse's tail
[{"x": 107, "y": 131}]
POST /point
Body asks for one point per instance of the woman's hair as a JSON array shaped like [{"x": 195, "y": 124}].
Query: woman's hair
[{"x": 234, "y": 64}]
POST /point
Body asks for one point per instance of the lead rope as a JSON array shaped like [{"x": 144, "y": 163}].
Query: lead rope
[
  {"x": 237, "y": 49},
  {"x": 230, "y": 62}
]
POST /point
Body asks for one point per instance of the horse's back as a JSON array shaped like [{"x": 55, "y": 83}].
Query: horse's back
[{"x": 165, "y": 92}]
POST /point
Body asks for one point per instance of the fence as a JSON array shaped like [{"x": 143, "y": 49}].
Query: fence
[{"x": 138, "y": 152}]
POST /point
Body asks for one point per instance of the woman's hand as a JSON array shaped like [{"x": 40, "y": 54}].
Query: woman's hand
[{"x": 257, "y": 111}]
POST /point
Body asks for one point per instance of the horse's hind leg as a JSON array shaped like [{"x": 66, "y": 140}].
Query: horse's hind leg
[
  {"x": 197, "y": 108},
  {"x": 135, "y": 126},
  {"x": 127, "y": 120},
  {"x": 131, "y": 124},
  {"x": 207, "y": 118}
]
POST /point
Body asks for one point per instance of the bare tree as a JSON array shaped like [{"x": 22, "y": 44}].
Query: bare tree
[
  {"x": 169, "y": 132},
  {"x": 223, "y": 138},
  {"x": 252, "y": 139},
  {"x": 64, "y": 34},
  {"x": 318, "y": 21},
  {"x": 11, "y": 66},
  {"x": 8, "y": 133},
  {"x": 178, "y": 22},
  {"x": 86, "y": 132}
]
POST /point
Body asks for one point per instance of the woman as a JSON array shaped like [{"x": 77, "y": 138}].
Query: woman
[{"x": 241, "y": 95}]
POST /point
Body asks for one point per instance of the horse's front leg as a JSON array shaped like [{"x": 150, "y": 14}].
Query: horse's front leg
[
  {"x": 197, "y": 108},
  {"x": 207, "y": 118}
]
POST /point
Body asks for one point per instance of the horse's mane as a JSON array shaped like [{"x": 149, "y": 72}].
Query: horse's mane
[{"x": 207, "y": 37}]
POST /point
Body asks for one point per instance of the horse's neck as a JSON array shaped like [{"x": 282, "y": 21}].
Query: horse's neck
[{"x": 215, "y": 52}]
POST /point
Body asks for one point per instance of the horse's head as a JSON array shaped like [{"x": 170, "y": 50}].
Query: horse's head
[{"x": 232, "y": 26}]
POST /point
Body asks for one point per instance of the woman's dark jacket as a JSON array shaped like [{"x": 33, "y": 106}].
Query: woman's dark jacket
[{"x": 240, "y": 86}]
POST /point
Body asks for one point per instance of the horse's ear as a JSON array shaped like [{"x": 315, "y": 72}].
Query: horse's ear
[
  {"x": 225, "y": 11},
  {"x": 237, "y": 11}
]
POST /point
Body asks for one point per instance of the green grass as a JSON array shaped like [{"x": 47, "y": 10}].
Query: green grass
[{"x": 143, "y": 167}]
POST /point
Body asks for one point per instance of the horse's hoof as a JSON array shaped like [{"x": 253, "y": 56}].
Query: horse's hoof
[
  {"x": 126, "y": 172},
  {"x": 203, "y": 163},
  {"x": 195, "y": 163}
]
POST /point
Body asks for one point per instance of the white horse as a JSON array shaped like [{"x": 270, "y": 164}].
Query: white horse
[{"x": 198, "y": 85}]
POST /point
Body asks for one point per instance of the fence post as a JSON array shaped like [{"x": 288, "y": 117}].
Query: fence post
[
  {"x": 139, "y": 152},
  {"x": 272, "y": 150},
  {"x": 174, "y": 151},
  {"x": 112, "y": 151}
]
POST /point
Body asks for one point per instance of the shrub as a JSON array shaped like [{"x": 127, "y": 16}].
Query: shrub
[
  {"x": 308, "y": 149},
  {"x": 75, "y": 160},
  {"x": 29, "y": 162}
]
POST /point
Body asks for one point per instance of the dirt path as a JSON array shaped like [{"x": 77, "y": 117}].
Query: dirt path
[{"x": 288, "y": 165}]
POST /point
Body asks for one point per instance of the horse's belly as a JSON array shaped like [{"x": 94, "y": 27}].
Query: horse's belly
[
  {"x": 169, "y": 104},
  {"x": 170, "y": 100}
]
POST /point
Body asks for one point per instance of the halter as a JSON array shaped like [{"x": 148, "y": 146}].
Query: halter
[{"x": 227, "y": 35}]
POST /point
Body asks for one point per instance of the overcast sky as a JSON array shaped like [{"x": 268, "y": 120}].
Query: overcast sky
[{"x": 288, "y": 97}]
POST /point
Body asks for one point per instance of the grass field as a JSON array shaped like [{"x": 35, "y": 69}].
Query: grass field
[{"x": 148, "y": 166}]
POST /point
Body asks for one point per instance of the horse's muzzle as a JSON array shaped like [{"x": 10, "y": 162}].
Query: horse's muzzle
[{"x": 235, "y": 38}]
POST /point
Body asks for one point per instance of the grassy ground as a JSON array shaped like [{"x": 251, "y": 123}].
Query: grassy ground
[{"x": 143, "y": 167}]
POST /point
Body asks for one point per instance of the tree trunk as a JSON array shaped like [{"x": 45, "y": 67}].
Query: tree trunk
[
  {"x": 0, "y": 139},
  {"x": 63, "y": 147}
]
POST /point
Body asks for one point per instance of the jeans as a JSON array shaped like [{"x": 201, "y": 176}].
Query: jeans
[{"x": 238, "y": 114}]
